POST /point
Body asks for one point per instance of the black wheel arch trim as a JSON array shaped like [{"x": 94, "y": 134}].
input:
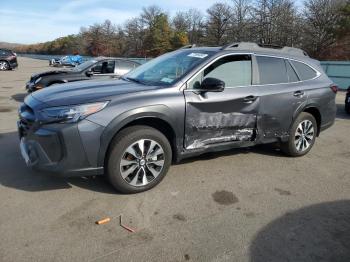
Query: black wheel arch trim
[
  {"x": 161, "y": 112},
  {"x": 304, "y": 107}
]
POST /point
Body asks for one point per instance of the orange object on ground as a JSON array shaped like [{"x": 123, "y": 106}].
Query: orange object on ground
[{"x": 103, "y": 221}]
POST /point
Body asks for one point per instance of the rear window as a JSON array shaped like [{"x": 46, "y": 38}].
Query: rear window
[
  {"x": 304, "y": 71},
  {"x": 292, "y": 76},
  {"x": 4, "y": 52},
  {"x": 272, "y": 70}
]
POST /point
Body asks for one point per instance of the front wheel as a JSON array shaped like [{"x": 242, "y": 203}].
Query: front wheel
[
  {"x": 138, "y": 159},
  {"x": 302, "y": 136}
]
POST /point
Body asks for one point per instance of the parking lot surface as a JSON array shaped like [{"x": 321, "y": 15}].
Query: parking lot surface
[{"x": 240, "y": 205}]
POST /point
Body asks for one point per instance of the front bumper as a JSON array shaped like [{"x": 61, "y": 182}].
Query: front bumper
[{"x": 60, "y": 149}]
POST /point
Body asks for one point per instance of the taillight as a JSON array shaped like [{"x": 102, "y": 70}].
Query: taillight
[{"x": 334, "y": 88}]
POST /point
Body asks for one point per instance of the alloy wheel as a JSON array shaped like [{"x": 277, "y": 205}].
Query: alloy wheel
[
  {"x": 3, "y": 65},
  {"x": 142, "y": 162},
  {"x": 304, "y": 135}
]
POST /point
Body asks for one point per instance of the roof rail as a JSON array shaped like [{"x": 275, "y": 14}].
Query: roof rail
[
  {"x": 188, "y": 46},
  {"x": 270, "y": 46},
  {"x": 264, "y": 47}
]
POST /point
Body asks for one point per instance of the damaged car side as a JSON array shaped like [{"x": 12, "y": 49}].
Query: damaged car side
[{"x": 181, "y": 104}]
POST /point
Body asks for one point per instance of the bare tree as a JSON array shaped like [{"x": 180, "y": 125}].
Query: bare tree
[
  {"x": 109, "y": 34},
  {"x": 135, "y": 36},
  {"x": 149, "y": 15},
  {"x": 218, "y": 24},
  {"x": 275, "y": 21},
  {"x": 241, "y": 21},
  {"x": 320, "y": 26},
  {"x": 181, "y": 22}
]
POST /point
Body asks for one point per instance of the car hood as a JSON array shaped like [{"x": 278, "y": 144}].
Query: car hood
[
  {"x": 52, "y": 72},
  {"x": 87, "y": 91}
]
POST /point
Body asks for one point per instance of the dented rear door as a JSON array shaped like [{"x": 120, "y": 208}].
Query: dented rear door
[
  {"x": 281, "y": 95},
  {"x": 229, "y": 116}
]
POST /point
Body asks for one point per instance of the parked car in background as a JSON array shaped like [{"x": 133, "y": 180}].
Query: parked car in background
[
  {"x": 66, "y": 61},
  {"x": 55, "y": 61},
  {"x": 8, "y": 60},
  {"x": 178, "y": 105},
  {"x": 99, "y": 68},
  {"x": 347, "y": 101}
]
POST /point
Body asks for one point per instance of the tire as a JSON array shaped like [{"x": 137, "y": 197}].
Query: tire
[
  {"x": 4, "y": 65},
  {"x": 302, "y": 136},
  {"x": 127, "y": 171}
]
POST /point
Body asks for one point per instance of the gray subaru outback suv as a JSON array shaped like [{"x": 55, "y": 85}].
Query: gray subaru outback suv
[{"x": 181, "y": 104}]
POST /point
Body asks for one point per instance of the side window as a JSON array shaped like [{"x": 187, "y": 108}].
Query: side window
[
  {"x": 235, "y": 70},
  {"x": 272, "y": 70},
  {"x": 104, "y": 67},
  {"x": 304, "y": 71},
  {"x": 292, "y": 76}
]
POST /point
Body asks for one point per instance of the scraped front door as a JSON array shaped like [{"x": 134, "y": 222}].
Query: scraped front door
[{"x": 221, "y": 117}]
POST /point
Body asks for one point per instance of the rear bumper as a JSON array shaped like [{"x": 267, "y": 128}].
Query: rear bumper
[
  {"x": 13, "y": 63},
  {"x": 58, "y": 149}
]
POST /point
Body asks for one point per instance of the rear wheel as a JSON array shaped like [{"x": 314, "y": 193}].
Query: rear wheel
[
  {"x": 138, "y": 159},
  {"x": 4, "y": 65},
  {"x": 302, "y": 135}
]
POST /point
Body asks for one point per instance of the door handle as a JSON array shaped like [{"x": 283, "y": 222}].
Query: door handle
[
  {"x": 298, "y": 93},
  {"x": 249, "y": 99}
]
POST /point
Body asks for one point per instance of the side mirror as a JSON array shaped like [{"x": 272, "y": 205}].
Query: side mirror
[
  {"x": 211, "y": 84},
  {"x": 89, "y": 73}
]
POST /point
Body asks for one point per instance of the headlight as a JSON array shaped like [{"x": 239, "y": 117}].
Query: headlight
[
  {"x": 71, "y": 114},
  {"x": 37, "y": 80}
]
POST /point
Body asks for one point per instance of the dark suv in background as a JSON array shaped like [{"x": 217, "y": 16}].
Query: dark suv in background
[
  {"x": 181, "y": 104},
  {"x": 97, "y": 68},
  {"x": 347, "y": 101},
  {"x": 8, "y": 60}
]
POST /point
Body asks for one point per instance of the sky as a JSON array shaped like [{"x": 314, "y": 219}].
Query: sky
[{"x": 34, "y": 21}]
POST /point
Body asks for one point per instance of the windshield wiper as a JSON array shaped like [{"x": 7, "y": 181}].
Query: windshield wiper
[{"x": 134, "y": 80}]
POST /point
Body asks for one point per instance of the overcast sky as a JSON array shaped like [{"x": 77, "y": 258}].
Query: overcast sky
[{"x": 33, "y": 21}]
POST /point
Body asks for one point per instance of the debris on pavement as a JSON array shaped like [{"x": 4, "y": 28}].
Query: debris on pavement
[
  {"x": 103, "y": 221},
  {"x": 124, "y": 226}
]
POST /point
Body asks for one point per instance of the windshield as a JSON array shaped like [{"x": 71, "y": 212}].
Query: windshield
[
  {"x": 84, "y": 65},
  {"x": 166, "y": 69}
]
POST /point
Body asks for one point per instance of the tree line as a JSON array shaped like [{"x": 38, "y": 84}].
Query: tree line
[{"x": 320, "y": 27}]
